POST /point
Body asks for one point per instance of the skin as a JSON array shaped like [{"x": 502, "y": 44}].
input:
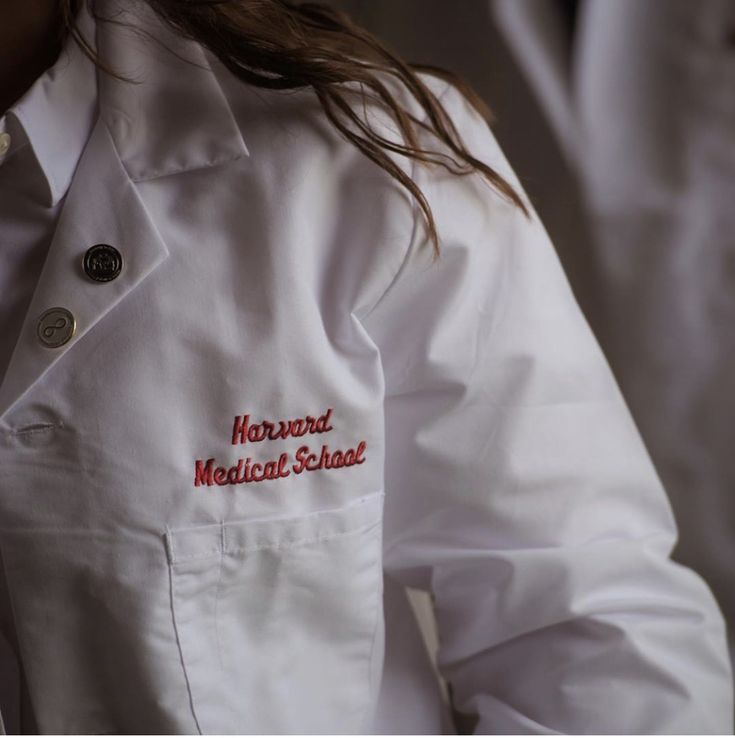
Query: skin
[{"x": 28, "y": 45}]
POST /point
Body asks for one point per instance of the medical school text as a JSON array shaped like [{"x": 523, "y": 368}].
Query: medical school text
[{"x": 246, "y": 470}]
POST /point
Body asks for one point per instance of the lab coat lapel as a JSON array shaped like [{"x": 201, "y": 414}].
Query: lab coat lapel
[
  {"x": 172, "y": 119},
  {"x": 102, "y": 206}
]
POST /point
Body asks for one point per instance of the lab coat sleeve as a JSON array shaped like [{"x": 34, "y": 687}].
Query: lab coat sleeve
[{"x": 519, "y": 491}]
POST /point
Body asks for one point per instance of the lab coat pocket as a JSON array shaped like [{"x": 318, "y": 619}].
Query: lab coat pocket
[{"x": 279, "y": 620}]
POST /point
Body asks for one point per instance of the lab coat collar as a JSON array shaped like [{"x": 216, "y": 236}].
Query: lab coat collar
[
  {"x": 175, "y": 116},
  {"x": 175, "y": 119}
]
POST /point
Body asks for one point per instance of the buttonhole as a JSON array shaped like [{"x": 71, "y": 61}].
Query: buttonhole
[{"x": 28, "y": 430}]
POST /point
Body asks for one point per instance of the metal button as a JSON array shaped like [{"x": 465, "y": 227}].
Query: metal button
[
  {"x": 4, "y": 143},
  {"x": 102, "y": 263},
  {"x": 55, "y": 327}
]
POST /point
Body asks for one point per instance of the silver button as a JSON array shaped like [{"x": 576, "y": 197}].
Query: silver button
[
  {"x": 55, "y": 327},
  {"x": 4, "y": 143}
]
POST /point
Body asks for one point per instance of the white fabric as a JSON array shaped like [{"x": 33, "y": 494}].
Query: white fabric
[
  {"x": 495, "y": 461},
  {"x": 48, "y": 127},
  {"x": 649, "y": 95}
]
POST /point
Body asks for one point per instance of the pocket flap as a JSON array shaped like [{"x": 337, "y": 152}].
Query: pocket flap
[{"x": 201, "y": 541}]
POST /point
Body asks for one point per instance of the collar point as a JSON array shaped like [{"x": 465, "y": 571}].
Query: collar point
[{"x": 53, "y": 194}]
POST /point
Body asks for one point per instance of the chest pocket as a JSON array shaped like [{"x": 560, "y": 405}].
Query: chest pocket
[{"x": 279, "y": 621}]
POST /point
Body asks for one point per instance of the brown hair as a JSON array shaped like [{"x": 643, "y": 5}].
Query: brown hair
[{"x": 283, "y": 44}]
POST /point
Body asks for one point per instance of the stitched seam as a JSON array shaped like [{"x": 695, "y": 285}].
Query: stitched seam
[
  {"x": 34, "y": 429},
  {"x": 378, "y": 605},
  {"x": 281, "y": 519},
  {"x": 218, "y": 645},
  {"x": 416, "y": 209},
  {"x": 203, "y": 555},
  {"x": 172, "y": 586},
  {"x": 275, "y": 547},
  {"x": 306, "y": 541},
  {"x": 169, "y": 542}
]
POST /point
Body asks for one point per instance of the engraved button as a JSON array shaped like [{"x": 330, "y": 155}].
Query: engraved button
[
  {"x": 4, "y": 143},
  {"x": 55, "y": 327},
  {"x": 102, "y": 262}
]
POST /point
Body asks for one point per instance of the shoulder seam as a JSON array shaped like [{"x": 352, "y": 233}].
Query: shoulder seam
[{"x": 414, "y": 229}]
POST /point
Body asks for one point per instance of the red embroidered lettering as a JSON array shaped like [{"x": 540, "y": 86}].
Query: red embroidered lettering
[
  {"x": 244, "y": 431},
  {"x": 300, "y": 427},
  {"x": 321, "y": 424},
  {"x": 256, "y": 433},
  {"x": 282, "y": 430},
  {"x": 234, "y": 474},
  {"x": 306, "y": 461},
  {"x": 246, "y": 471},
  {"x": 269, "y": 470},
  {"x": 240, "y": 429},
  {"x": 324, "y": 458},
  {"x": 203, "y": 472},
  {"x": 282, "y": 461}
]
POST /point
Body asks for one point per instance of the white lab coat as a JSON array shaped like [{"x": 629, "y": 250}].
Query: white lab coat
[{"x": 272, "y": 272}]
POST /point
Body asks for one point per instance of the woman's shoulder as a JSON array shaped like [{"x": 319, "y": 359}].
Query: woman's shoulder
[
  {"x": 289, "y": 127},
  {"x": 295, "y": 120}
]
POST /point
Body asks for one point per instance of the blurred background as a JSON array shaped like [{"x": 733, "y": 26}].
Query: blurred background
[{"x": 619, "y": 118}]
